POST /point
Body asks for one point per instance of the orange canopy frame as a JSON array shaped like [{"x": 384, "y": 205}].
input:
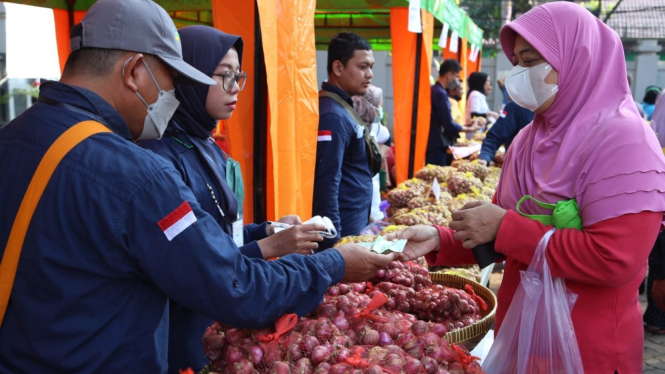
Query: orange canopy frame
[
  {"x": 412, "y": 58},
  {"x": 285, "y": 106},
  {"x": 272, "y": 134}
]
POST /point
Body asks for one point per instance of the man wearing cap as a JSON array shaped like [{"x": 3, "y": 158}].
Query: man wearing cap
[{"x": 113, "y": 235}]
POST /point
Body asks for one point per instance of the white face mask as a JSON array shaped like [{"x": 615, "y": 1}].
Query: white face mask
[
  {"x": 380, "y": 116},
  {"x": 159, "y": 113},
  {"x": 527, "y": 87}
]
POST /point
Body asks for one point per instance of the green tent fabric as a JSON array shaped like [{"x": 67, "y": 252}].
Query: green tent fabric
[{"x": 371, "y": 18}]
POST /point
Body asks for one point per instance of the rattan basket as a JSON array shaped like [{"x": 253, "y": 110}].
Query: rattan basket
[
  {"x": 206, "y": 369},
  {"x": 471, "y": 335}
]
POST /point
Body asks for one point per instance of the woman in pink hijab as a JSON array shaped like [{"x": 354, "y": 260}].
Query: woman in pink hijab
[{"x": 588, "y": 143}]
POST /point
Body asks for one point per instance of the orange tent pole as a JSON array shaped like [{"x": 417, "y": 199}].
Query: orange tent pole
[
  {"x": 287, "y": 41},
  {"x": 293, "y": 130},
  {"x": 62, "y": 32},
  {"x": 465, "y": 74},
  {"x": 404, "y": 66},
  {"x": 268, "y": 19},
  {"x": 239, "y": 128}
]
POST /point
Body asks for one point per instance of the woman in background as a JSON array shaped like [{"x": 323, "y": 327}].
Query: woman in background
[
  {"x": 649, "y": 101},
  {"x": 370, "y": 108},
  {"x": 476, "y": 100}
]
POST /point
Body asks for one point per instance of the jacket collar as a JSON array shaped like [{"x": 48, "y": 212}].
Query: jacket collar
[
  {"x": 87, "y": 101},
  {"x": 325, "y": 86}
]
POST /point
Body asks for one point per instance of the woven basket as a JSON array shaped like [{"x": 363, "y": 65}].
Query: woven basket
[
  {"x": 206, "y": 369},
  {"x": 471, "y": 335}
]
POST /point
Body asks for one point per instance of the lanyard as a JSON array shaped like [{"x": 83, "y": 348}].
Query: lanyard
[{"x": 213, "y": 172}]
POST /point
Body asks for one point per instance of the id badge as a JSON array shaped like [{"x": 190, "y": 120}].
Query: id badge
[{"x": 238, "y": 232}]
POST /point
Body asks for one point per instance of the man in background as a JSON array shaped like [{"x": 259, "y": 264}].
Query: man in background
[{"x": 343, "y": 179}]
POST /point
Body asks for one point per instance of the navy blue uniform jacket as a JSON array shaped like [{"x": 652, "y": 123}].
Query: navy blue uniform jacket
[
  {"x": 343, "y": 180},
  {"x": 97, "y": 270},
  {"x": 512, "y": 119},
  {"x": 441, "y": 119},
  {"x": 201, "y": 163}
]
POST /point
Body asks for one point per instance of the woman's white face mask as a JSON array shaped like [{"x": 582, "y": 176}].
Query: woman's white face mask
[{"x": 527, "y": 87}]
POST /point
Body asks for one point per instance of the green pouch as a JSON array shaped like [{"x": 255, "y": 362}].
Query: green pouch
[
  {"x": 565, "y": 213},
  {"x": 234, "y": 180}
]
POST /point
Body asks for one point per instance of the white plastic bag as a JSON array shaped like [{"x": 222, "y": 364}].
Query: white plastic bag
[{"x": 537, "y": 334}]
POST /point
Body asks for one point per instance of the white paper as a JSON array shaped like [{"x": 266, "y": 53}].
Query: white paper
[
  {"x": 443, "y": 39},
  {"x": 436, "y": 188},
  {"x": 463, "y": 152},
  {"x": 453, "y": 41},
  {"x": 415, "y": 23},
  {"x": 475, "y": 51},
  {"x": 238, "y": 232},
  {"x": 472, "y": 54}
]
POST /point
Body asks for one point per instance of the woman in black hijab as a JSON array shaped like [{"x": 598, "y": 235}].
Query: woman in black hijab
[
  {"x": 476, "y": 100},
  {"x": 213, "y": 176}
]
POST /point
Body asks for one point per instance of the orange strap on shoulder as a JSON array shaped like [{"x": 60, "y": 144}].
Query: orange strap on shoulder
[{"x": 68, "y": 140}]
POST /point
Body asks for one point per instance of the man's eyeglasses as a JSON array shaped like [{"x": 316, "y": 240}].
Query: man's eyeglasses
[{"x": 229, "y": 77}]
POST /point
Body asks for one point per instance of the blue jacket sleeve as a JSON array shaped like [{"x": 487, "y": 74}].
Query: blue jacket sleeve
[
  {"x": 444, "y": 112},
  {"x": 503, "y": 129},
  {"x": 252, "y": 233},
  {"x": 328, "y": 175},
  {"x": 200, "y": 266},
  {"x": 251, "y": 250}
]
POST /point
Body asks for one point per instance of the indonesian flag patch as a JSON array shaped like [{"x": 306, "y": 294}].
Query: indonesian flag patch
[
  {"x": 503, "y": 114},
  {"x": 325, "y": 136},
  {"x": 177, "y": 221}
]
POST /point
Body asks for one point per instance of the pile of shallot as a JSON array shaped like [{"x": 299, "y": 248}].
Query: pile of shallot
[{"x": 394, "y": 325}]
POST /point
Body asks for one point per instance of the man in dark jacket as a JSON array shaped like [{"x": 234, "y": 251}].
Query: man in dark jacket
[
  {"x": 443, "y": 131},
  {"x": 343, "y": 179},
  {"x": 511, "y": 120},
  {"x": 117, "y": 233}
]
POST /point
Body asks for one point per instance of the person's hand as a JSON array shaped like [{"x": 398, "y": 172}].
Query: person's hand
[
  {"x": 289, "y": 220},
  {"x": 421, "y": 240},
  {"x": 471, "y": 127},
  {"x": 658, "y": 293},
  {"x": 361, "y": 263},
  {"x": 474, "y": 124},
  {"x": 300, "y": 239},
  {"x": 480, "y": 121},
  {"x": 482, "y": 162},
  {"x": 477, "y": 223}
]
